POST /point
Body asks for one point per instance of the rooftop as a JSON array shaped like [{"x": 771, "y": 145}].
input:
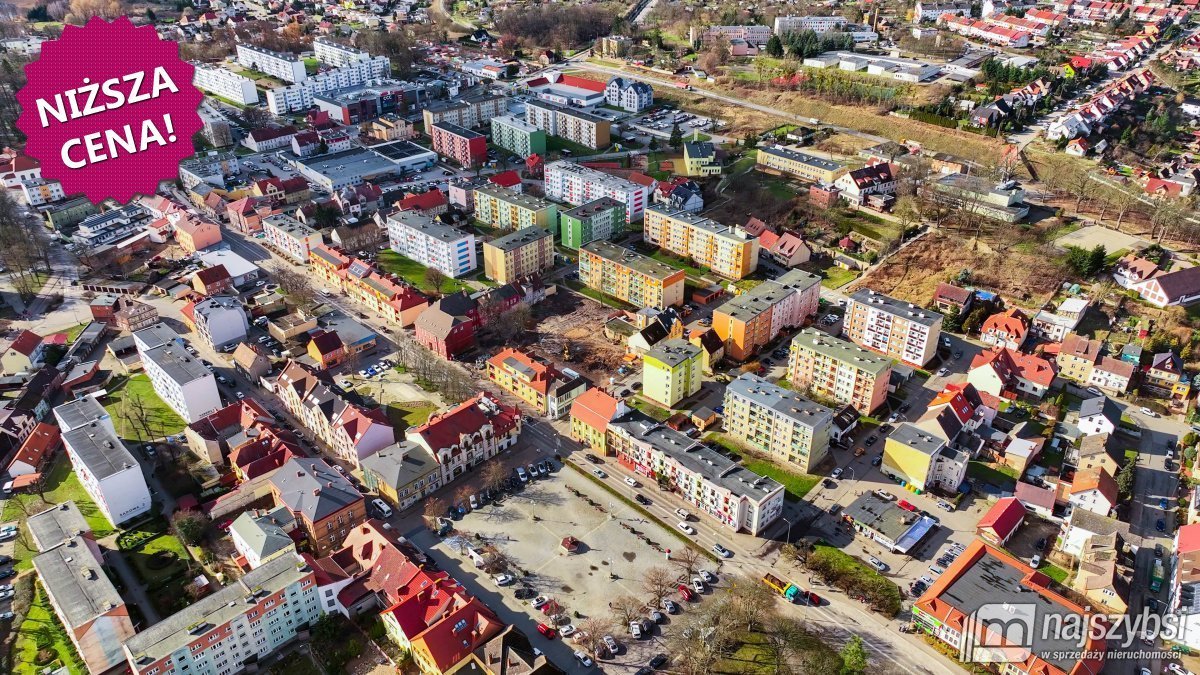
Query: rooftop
[
  {"x": 430, "y": 227},
  {"x": 100, "y": 450},
  {"x": 904, "y": 310},
  {"x": 783, "y": 401},
  {"x": 674, "y": 352},
  {"x": 177, "y": 363},
  {"x": 311, "y": 487},
  {"x": 520, "y": 238},
  {"x": 628, "y": 258},
  {"x": 593, "y": 207},
  {"x": 80, "y": 588},
  {"x": 803, "y": 158},
  {"x": 766, "y": 295},
  {"x": 846, "y": 352},
  {"x": 512, "y": 197},
  {"x": 56, "y": 525}
]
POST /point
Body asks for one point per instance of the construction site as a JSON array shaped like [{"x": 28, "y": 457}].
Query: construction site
[{"x": 570, "y": 329}]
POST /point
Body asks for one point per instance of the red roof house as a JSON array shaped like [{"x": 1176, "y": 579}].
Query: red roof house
[{"x": 1001, "y": 521}]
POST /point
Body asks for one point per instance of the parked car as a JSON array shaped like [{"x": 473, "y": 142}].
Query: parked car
[
  {"x": 670, "y": 606},
  {"x": 684, "y": 527},
  {"x": 610, "y": 642},
  {"x": 708, "y": 577},
  {"x": 641, "y": 499},
  {"x": 503, "y": 579},
  {"x": 539, "y": 601},
  {"x": 584, "y": 659},
  {"x": 546, "y": 631},
  {"x": 722, "y": 551},
  {"x": 635, "y": 629},
  {"x": 877, "y": 564},
  {"x": 837, "y": 473},
  {"x": 683, "y": 514},
  {"x": 632, "y": 483}
]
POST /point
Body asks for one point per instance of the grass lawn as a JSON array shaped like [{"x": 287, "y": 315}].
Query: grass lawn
[
  {"x": 41, "y": 629},
  {"x": 650, "y": 409},
  {"x": 409, "y": 414},
  {"x": 677, "y": 262},
  {"x": 60, "y": 485},
  {"x": 744, "y": 164},
  {"x": 160, "y": 419},
  {"x": 414, "y": 272},
  {"x": 74, "y": 331},
  {"x": 1054, "y": 572},
  {"x": 558, "y": 144},
  {"x": 836, "y": 277},
  {"x": 1000, "y": 476},
  {"x": 779, "y": 189},
  {"x": 795, "y": 484},
  {"x": 162, "y": 545},
  {"x": 854, "y": 575}
]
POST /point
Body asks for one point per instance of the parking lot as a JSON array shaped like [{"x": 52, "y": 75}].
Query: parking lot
[{"x": 615, "y": 548}]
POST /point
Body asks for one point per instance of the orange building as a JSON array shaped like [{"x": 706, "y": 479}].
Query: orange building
[{"x": 382, "y": 294}]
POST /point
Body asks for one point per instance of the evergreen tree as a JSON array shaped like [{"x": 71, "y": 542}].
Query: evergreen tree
[
  {"x": 676, "y": 137},
  {"x": 775, "y": 47}
]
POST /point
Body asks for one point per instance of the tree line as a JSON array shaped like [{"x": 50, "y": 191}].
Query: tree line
[
  {"x": 807, "y": 43},
  {"x": 557, "y": 26}
]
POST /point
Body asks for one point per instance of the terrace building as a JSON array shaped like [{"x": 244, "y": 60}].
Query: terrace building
[
  {"x": 324, "y": 503},
  {"x": 603, "y": 219},
  {"x": 777, "y": 421},
  {"x": 629, "y": 276},
  {"x": 467, "y": 111},
  {"x": 537, "y": 382},
  {"x": 300, "y": 95}
]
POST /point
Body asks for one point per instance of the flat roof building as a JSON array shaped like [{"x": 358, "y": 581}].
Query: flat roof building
[{"x": 630, "y": 276}]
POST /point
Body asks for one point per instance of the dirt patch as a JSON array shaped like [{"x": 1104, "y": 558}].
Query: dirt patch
[{"x": 570, "y": 329}]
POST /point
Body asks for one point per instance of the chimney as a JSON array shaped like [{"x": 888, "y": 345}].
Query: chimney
[{"x": 316, "y": 492}]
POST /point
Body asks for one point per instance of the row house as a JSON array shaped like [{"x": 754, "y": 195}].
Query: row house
[
  {"x": 1080, "y": 360},
  {"x": 324, "y": 503},
  {"x": 382, "y": 294},
  {"x": 1082, "y": 120},
  {"x": 450, "y": 324},
  {"x": 350, "y": 431},
  {"x": 987, "y": 31}
]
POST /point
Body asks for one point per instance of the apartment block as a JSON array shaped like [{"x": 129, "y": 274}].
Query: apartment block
[
  {"x": 671, "y": 371},
  {"x": 469, "y": 111},
  {"x": 629, "y": 276},
  {"x": 569, "y": 123},
  {"x": 777, "y": 421},
  {"x": 108, "y": 471},
  {"x": 838, "y": 370},
  {"x": 336, "y": 54},
  {"x": 177, "y": 377},
  {"x": 280, "y": 65},
  {"x": 603, "y": 219},
  {"x": 900, "y": 330},
  {"x": 798, "y": 164},
  {"x": 717, "y": 486},
  {"x": 290, "y": 237},
  {"x": 728, "y": 251},
  {"x": 468, "y": 148},
  {"x": 432, "y": 243},
  {"x": 225, "y": 83},
  {"x": 385, "y": 295},
  {"x": 248, "y": 621},
  {"x": 299, "y": 96},
  {"x": 579, "y": 185},
  {"x": 817, "y": 24},
  {"x": 535, "y": 381},
  {"x": 518, "y": 136},
  {"x": 747, "y": 322},
  {"x": 220, "y": 321},
  {"x": 504, "y": 208},
  {"x": 518, "y": 254},
  {"x": 40, "y": 192}
]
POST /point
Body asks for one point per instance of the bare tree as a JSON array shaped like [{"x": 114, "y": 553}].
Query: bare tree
[
  {"x": 593, "y": 630},
  {"x": 1123, "y": 201},
  {"x": 462, "y": 494},
  {"x": 433, "y": 280},
  {"x": 513, "y": 323},
  {"x": 256, "y": 117},
  {"x": 752, "y": 604},
  {"x": 626, "y": 608},
  {"x": 295, "y": 284},
  {"x": 658, "y": 582},
  {"x": 494, "y": 474},
  {"x": 80, "y": 11},
  {"x": 435, "y": 507},
  {"x": 496, "y": 561},
  {"x": 687, "y": 559}
]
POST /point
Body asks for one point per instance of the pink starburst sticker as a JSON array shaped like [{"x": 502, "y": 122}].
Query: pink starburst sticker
[{"x": 109, "y": 110}]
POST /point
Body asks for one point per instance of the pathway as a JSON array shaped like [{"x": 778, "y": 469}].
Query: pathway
[{"x": 133, "y": 586}]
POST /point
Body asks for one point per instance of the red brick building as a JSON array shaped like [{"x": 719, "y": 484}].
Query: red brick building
[{"x": 468, "y": 148}]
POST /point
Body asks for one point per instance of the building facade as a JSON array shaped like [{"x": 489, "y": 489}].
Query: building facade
[
  {"x": 290, "y": 237},
  {"x": 671, "y": 371},
  {"x": 603, "y": 219},
  {"x": 893, "y": 328},
  {"x": 501, "y": 207},
  {"x": 570, "y": 123},
  {"x": 801, "y": 165},
  {"x": 579, "y": 185},
  {"x": 747, "y": 322},
  {"x": 629, "y": 276},
  {"x": 729, "y": 251},
  {"x": 518, "y": 254},
  {"x": 108, "y": 471},
  {"x": 431, "y": 243},
  {"x": 536, "y": 381},
  {"x": 839, "y": 370},
  {"x": 468, "y": 148},
  {"x": 777, "y": 421},
  {"x": 518, "y": 136}
]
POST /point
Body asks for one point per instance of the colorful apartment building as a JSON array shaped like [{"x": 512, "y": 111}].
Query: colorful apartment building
[
  {"x": 671, "y": 371},
  {"x": 570, "y": 123},
  {"x": 777, "y": 421},
  {"x": 801, "y": 165},
  {"x": 839, "y": 370},
  {"x": 460, "y": 144},
  {"x": 919, "y": 460},
  {"x": 518, "y": 254},
  {"x": 900, "y": 330},
  {"x": 700, "y": 159},
  {"x": 465, "y": 111},
  {"x": 510, "y": 210},
  {"x": 290, "y": 237},
  {"x": 591, "y": 412},
  {"x": 538, "y": 382},
  {"x": 754, "y": 318},
  {"x": 578, "y": 185},
  {"x": 1164, "y": 377},
  {"x": 367, "y": 286},
  {"x": 600, "y": 219},
  {"x": 518, "y": 136},
  {"x": 629, "y": 276},
  {"x": 728, "y": 251}
]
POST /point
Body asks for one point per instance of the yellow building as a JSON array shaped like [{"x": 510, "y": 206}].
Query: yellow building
[
  {"x": 539, "y": 383},
  {"x": 801, "y": 165},
  {"x": 504, "y": 208},
  {"x": 920, "y": 460},
  {"x": 518, "y": 254},
  {"x": 1077, "y": 357},
  {"x": 729, "y": 251},
  {"x": 671, "y": 371},
  {"x": 700, "y": 159},
  {"x": 630, "y": 277},
  {"x": 1165, "y": 377},
  {"x": 590, "y": 414}
]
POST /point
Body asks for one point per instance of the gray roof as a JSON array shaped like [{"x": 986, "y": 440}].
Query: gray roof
[
  {"x": 430, "y": 227},
  {"x": 56, "y": 525},
  {"x": 100, "y": 450},
  {"x": 635, "y": 261},
  {"x": 904, "y": 310},
  {"x": 917, "y": 438},
  {"x": 179, "y": 365},
  {"x": 1100, "y": 405},
  {"x": 519, "y": 239},
  {"x": 674, "y": 352},
  {"x": 400, "y": 464},
  {"x": 786, "y": 402},
  {"x": 846, "y": 352},
  {"x": 312, "y": 487},
  {"x": 263, "y": 532},
  {"x": 194, "y": 621},
  {"x": 802, "y": 157},
  {"x": 80, "y": 589},
  {"x": 79, "y": 413},
  {"x": 520, "y": 199},
  {"x": 766, "y": 295},
  {"x": 881, "y": 515},
  {"x": 594, "y": 207},
  {"x": 457, "y": 130},
  {"x": 1094, "y": 522},
  {"x": 157, "y": 335}
]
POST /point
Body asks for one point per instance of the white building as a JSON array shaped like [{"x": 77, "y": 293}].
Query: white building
[
  {"x": 220, "y": 321},
  {"x": 893, "y": 67},
  {"x": 108, "y": 471},
  {"x": 336, "y": 54},
  {"x": 40, "y": 192},
  {"x": 299, "y": 96},
  {"x": 777, "y": 421},
  {"x": 241, "y": 271},
  {"x": 290, "y": 236},
  {"x": 628, "y": 95},
  {"x": 892, "y": 327},
  {"x": 579, "y": 185},
  {"x": 817, "y": 24},
  {"x": 179, "y": 378},
  {"x": 280, "y": 65},
  {"x": 432, "y": 243},
  {"x": 225, "y": 83}
]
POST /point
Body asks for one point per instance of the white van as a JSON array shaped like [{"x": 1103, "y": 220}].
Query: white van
[{"x": 382, "y": 507}]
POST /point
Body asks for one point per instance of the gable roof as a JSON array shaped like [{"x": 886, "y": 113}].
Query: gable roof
[
  {"x": 1096, "y": 478},
  {"x": 1181, "y": 283},
  {"x": 26, "y": 342},
  {"x": 1004, "y": 517},
  {"x": 595, "y": 408}
]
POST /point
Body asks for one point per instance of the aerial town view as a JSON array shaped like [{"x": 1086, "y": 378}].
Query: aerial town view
[{"x": 526, "y": 337}]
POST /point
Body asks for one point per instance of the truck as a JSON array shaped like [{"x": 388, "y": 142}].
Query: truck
[
  {"x": 1156, "y": 576},
  {"x": 790, "y": 592}
]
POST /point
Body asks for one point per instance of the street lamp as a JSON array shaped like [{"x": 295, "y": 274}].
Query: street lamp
[{"x": 787, "y": 538}]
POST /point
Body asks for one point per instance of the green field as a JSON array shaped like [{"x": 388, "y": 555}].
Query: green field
[
  {"x": 414, "y": 272},
  {"x": 41, "y": 630},
  {"x": 1001, "y": 476},
  {"x": 602, "y": 298},
  {"x": 125, "y": 397},
  {"x": 650, "y": 409},
  {"x": 1054, "y": 572},
  {"x": 161, "y": 563},
  {"x": 795, "y": 484},
  {"x": 558, "y": 144},
  {"x": 678, "y": 263},
  {"x": 409, "y": 414},
  {"x": 836, "y": 277},
  {"x": 60, "y": 485}
]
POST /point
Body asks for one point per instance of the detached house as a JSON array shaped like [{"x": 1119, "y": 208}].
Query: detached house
[
  {"x": 953, "y": 300},
  {"x": 1093, "y": 490},
  {"x": 1164, "y": 377},
  {"x": 1006, "y": 330},
  {"x": 1006, "y": 373},
  {"x": 1180, "y": 287},
  {"x": 1098, "y": 415},
  {"x": 25, "y": 354},
  {"x": 877, "y": 180}
]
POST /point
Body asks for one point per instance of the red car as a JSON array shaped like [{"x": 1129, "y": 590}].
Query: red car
[
  {"x": 906, "y": 506},
  {"x": 814, "y": 599},
  {"x": 546, "y": 631},
  {"x": 225, "y": 525},
  {"x": 685, "y": 592}
]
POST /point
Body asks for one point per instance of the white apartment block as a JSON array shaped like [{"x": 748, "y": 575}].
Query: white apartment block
[
  {"x": 225, "y": 83},
  {"x": 817, "y": 24},
  {"x": 245, "y": 622},
  {"x": 777, "y": 421},
  {"x": 180, "y": 380},
  {"x": 628, "y": 95},
  {"x": 108, "y": 471},
  {"x": 336, "y": 54},
  {"x": 39, "y": 192},
  {"x": 901, "y": 330},
  {"x": 220, "y": 321},
  {"x": 299, "y": 96},
  {"x": 280, "y": 65},
  {"x": 432, "y": 243},
  {"x": 290, "y": 236},
  {"x": 579, "y": 185},
  {"x": 468, "y": 111}
]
